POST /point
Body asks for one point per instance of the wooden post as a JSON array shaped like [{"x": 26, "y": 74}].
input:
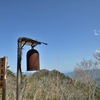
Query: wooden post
[
  {"x": 19, "y": 54},
  {"x": 3, "y": 68},
  {"x": 4, "y": 91}
]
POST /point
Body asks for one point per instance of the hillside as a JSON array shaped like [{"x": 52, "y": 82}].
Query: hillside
[{"x": 49, "y": 85}]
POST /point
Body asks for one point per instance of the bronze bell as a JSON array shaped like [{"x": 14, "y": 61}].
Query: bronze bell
[{"x": 33, "y": 60}]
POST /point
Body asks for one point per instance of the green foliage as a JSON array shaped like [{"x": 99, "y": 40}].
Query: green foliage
[{"x": 10, "y": 73}]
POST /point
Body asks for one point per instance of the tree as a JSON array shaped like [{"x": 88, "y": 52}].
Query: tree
[
  {"x": 86, "y": 72},
  {"x": 97, "y": 55},
  {"x": 10, "y": 73}
]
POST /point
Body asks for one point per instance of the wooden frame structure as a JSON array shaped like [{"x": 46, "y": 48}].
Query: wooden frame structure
[{"x": 21, "y": 42}]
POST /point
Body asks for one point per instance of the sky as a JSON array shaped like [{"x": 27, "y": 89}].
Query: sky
[{"x": 70, "y": 27}]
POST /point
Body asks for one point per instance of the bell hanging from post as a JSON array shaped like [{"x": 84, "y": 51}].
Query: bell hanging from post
[{"x": 33, "y": 60}]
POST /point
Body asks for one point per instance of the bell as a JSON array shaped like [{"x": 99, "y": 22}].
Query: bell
[{"x": 33, "y": 60}]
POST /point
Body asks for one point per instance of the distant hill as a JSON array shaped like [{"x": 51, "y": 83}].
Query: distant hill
[
  {"x": 49, "y": 85},
  {"x": 70, "y": 74},
  {"x": 95, "y": 74},
  {"x": 27, "y": 73}
]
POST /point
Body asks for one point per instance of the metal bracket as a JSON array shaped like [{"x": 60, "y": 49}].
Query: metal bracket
[{"x": 24, "y": 44}]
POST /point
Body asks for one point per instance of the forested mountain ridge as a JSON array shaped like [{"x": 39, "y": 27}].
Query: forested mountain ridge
[{"x": 50, "y": 85}]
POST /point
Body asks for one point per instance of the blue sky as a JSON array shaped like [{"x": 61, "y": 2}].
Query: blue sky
[{"x": 70, "y": 27}]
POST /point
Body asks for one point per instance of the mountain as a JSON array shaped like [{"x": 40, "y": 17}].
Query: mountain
[
  {"x": 50, "y": 85},
  {"x": 91, "y": 73},
  {"x": 70, "y": 74},
  {"x": 27, "y": 73}
]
